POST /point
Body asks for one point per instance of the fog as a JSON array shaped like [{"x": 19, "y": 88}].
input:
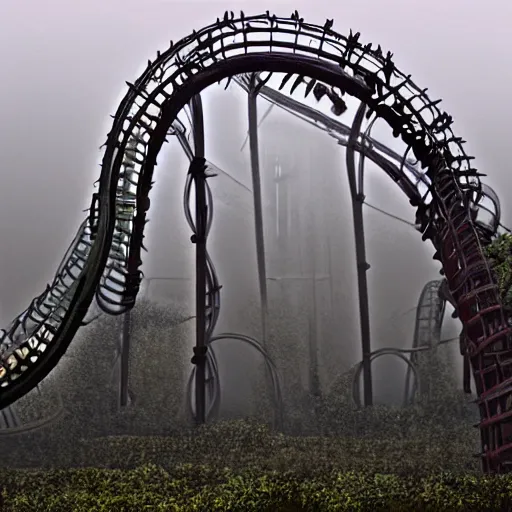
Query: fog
[{"x": 64, "y": 67}]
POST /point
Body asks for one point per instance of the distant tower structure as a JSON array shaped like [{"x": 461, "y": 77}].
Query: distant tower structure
[{"x": 297, "y": 228}]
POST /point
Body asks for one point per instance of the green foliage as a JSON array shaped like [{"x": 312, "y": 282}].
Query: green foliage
[
  {"x": 335, "y": 414},
  {"x": 330, "y": 455},
  {"x": 159, "y": 339},
  {"x": 400, "y": 443},
  {"x": 332, "y": 412},
  {"x": 499, "y": 252},
  {"x": 380, "y": 458},
  {"x": 285, "y": 344},
  {"x": 89, "y": 390},
  {"x": 209, "y": 488}
]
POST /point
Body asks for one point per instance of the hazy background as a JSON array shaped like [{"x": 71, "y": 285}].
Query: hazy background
[{"x": 64, "y": 66}]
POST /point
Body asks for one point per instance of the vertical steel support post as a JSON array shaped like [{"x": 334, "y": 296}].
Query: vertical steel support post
[
  {"x": 362, "y": 265},
  {"x": 9, "y": 418},
  {"x": 314, "y": 382},
  {"x": 198, "y": 170},
  {"x": 252, "y": 99},
  {"x": 258, "y": 211},
  {"x": 200, "y": 242},
  {"x": 125, "y": 359}
]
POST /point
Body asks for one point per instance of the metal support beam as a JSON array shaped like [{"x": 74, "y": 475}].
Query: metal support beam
[
  {"x": 198, "y": 171},
  {"x": 200, "y": 241},
  {"x": 362, "y": 265},
  {"x": 314, "y": 381},
  {"x": 252, "y": 104},
  {"x": 258, "y": 212},
  {"x": 9, "y": 418},
  {"x": 125, "y": 360}
]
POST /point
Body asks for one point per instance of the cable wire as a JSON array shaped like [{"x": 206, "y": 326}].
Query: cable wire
[{"x": 390, "y": 215}]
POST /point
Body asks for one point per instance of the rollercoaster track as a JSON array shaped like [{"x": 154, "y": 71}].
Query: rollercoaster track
[
  {"x": 413, "y": 182},
  {"x": 408, "y": 175},
  {"x": 430, "y": 313},
  {"x": 402, "y": 171},
  {"x": 427, "y": 329},
  {"x": 105, "y": 259}
]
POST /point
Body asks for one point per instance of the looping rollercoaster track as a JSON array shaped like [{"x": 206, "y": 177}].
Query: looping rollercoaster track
[{"x": 103, "y": 262}]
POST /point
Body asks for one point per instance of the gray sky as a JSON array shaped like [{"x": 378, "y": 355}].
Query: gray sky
[{"x": 64, "y": 65}]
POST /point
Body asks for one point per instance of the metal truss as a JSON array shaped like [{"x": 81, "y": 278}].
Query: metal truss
[{"x": 427, "y": 329}]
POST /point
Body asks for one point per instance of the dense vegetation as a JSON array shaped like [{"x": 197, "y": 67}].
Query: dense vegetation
[
  {"x": 394, "y": 460},
  {"x": 328, "y": 456},
  {"x": 499, "y": 252}
]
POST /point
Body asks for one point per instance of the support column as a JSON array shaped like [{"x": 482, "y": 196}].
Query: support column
[
  {"x": 314, "y": 380},
  {"x": 258, "y": 212},
  {"x": 198, "y": 173},
  {"x": 258, "y": 219},
  {"x": 362, "y": 265},
  {"x": 125, "y": 360}
]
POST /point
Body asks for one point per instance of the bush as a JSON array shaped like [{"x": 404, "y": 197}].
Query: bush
[
  {"x": 209, "y": 488},
  {"x": 499, "y": 252},
  {"x": 246, "y": 444},
  {"x": 84, "y": 379},
  {"x": 159, "y": 334},
  {"x": 329, "y": 456},
  {"x": 332, "y": 411}
]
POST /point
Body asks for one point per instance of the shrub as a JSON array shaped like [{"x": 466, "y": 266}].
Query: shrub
[
  {"x": 84, "y": 378},
  {"x": 206, "y": 487},
  {"x": 499, "y": 252}
]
